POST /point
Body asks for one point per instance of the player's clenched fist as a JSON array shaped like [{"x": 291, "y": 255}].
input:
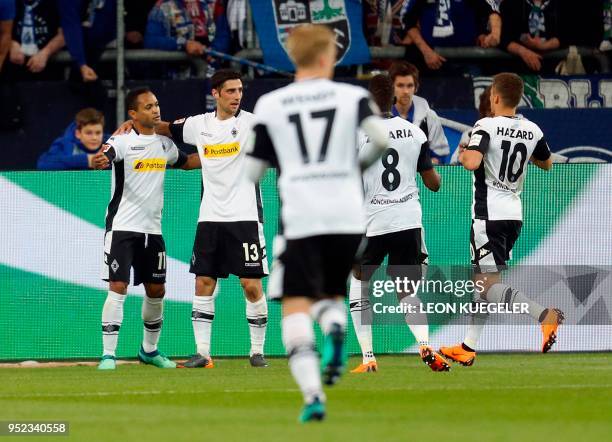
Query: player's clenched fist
[{"x": 100, "y": 161}]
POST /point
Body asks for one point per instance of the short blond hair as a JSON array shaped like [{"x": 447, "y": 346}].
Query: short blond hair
[{"x": 307, "y": 42}]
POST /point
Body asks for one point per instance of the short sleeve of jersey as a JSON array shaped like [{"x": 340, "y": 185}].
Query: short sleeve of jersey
[
  {"x": 541, "y": 151},
  {"x": 261, "y": 145},
  {"x": 114, "y": 148},
  {"x": 184, "y": 130},
  {"x": 480, "y": 138}
]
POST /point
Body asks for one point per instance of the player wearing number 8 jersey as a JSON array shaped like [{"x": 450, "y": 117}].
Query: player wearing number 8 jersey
[
  {"x": 394, "y": 227},
  {"x": 498, "y": 152}
]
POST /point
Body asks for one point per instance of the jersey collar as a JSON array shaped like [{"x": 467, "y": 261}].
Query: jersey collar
[
  {"x": 235, "y": 115},
  {"x": 410, "y": 116}
]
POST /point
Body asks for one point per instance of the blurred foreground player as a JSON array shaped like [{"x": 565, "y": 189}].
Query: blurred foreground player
[
  {"x": 394, "y": 226},
  {"x": 498, "y": 152},
  {"x": 133, "y": 225},
  {"x": 309, "y": 131}
]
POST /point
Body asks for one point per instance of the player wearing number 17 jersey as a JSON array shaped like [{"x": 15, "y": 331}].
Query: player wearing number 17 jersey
[
  {"x": 498, "y": 153},
  {"x": 309, "y": 131}
]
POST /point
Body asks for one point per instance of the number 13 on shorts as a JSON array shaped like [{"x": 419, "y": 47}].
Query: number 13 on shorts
[{"x": 251, "y": 251}]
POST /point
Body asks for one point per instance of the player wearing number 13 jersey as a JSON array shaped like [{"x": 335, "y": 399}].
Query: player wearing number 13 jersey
[
  {"x": 309, "y": 131},
  {"x": 498, "y": 153}
]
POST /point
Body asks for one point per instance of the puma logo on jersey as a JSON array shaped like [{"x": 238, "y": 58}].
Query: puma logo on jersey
[
  {"x": 400, "y": 133},
  {"x": 150, "y": 165},
  {"x": 221, "y": 150},
  {"x": 513, "y": 133}
]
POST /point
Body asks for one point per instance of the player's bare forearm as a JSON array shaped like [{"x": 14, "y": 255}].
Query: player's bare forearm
[
  {"x": 163, "y": 128},
  {"x": 542, "y": 164},
  {"x": 470, "y": 159},
  {"x": 193, "y": 162},
  {"x": 432, "y": 179}
]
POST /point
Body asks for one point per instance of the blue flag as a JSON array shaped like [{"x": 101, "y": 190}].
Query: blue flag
[{"x": 274, "y": 20}]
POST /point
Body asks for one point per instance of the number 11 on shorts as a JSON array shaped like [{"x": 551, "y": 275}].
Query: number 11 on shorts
[
  {"x": 252, "y": 254},
  {"x": 161, "y": 263}
]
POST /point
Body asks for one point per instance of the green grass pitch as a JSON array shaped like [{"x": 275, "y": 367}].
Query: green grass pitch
[{"x": 502, "y": 397}]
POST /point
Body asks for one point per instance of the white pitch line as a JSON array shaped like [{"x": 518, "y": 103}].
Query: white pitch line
[{"x": 291, "y": 390}]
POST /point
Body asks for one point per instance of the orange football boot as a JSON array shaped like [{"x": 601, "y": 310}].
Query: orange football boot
[
  {"x": 458, "y": 354},
  {"x": 433, "y": 359},
  {"x": 553, "y": 319},
  {"x": 368, "y": 367}
]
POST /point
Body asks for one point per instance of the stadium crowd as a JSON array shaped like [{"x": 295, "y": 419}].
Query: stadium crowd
[{"x": 33, "y": 31}]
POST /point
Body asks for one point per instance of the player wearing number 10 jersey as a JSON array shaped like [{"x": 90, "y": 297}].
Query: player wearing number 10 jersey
[
  {"x": 498, "y": 152},
  {"x": 309, "y": 131}
]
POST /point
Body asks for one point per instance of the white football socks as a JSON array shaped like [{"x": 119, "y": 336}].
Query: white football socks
[
  {"x": 416, "y": 321},
  {"x": 112, "y": 317},
  {"x": 502, "y": 293},
  {"x": 202, "y": 316},
  {"x": 152, "y": 318},
  {"x": 257, "y": 317},
  {"x": 299, "y": 341},
  {"x": 361, "y": 314},
  {"x": 329, "y": 312}
]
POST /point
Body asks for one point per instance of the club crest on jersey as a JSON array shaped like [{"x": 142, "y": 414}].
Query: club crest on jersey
[
  {"x": 234, "y": 132},
  {"x": 221, "y": 150},
  {"x": 150, "y": 165},
  {"x": 291, "y": 13}
]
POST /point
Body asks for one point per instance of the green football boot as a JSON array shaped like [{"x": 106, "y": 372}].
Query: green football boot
[
  {"x": 107, "y": 363},
  {"x": 155, "y": 358},
  {"x": 333, "y": 361},
  {"x": 314, "y": 411}
]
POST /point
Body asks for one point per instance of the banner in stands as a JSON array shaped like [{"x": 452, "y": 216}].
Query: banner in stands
[
  {"x": 52, "y": 295},
  {"x": 559, "y": 92},
  {"x": 274, "y": 20}
]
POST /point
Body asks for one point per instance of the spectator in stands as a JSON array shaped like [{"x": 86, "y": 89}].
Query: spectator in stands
[
  {"x": 77, "y": 147},
  {"x": 430, "y": 23},
  {"x": 405, "y": 78},
  {"x": 89, "y": 25},
  {"x": 181, "y": 25},
  {"x": 531, "y": 28},
  {"x": 7, "y": 14},
  {"x": 136, "y": 13},
  {"x": 36, "y": 37}
]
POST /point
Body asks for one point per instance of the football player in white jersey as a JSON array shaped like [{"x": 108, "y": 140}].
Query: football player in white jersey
[
  {"x": 133, "y": 236},
  {"x": 229, "y": 237},
  {"x": 394, "y": 226},
  {"x": 498, "y": 152},
  {"x": 308, "y": 130}
]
